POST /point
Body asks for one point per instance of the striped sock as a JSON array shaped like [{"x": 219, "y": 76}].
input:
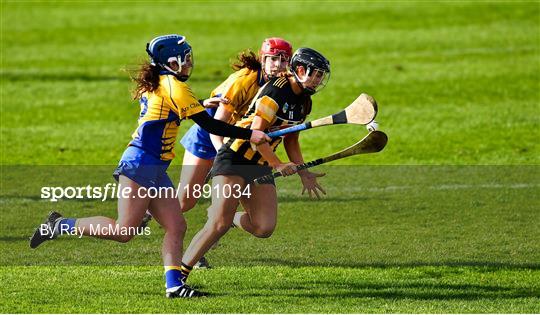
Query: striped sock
[
  {"x": 185, "y": 270},
  {"x": 173, "y": 276}
]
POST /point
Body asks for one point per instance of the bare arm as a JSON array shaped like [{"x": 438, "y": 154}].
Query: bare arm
[
  {"x": 267, "y": 153},
  {"x": 309, "y": 179},
  {"x": 292, "y": 147}
]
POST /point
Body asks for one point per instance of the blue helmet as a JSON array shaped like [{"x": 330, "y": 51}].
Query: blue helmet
[{"x": 163, "y": 50}]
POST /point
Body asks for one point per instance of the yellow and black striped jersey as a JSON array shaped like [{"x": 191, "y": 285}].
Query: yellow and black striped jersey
[
  {"x": 239, "y": 88},
  {"x": 280, "y": 107},
  {"x": 160, "y": 116}
]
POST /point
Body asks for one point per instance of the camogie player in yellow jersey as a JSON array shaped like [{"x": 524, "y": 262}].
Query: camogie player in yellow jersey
[
  {"x": 233, "y": 97},
  {"x": 282, "y": 102},
  {"x": 165, "y": 101}
]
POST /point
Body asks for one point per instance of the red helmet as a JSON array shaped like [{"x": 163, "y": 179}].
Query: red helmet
[{"x": 276, "y": 46}]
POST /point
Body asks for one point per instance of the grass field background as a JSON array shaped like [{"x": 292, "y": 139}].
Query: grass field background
[{"x": 445, "y": 219}]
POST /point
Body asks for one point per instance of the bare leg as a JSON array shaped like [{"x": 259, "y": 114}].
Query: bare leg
[
  {"x": 167, "y": 213},
  {"x": 194, "y": 171},
  {"x": 260, "y": 217},
  {"x": 130, "y": 213},
  {"x": 220, "y": 218}
]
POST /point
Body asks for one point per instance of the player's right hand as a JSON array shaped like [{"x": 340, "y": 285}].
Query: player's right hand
[
  {"x": 214, "y": 102},
  {"x": 309, "y": 181},
  {"x": 259, "y": 137},
  {"x": 286, "y": 169}
]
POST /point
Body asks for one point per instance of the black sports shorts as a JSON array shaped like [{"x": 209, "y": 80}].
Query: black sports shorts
[{"x": 228, "y": 162}]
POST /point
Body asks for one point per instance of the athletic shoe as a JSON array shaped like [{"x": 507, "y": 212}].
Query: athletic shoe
[
  {"x": 183, "y": 291},
  {"x": 202, "y": 263},
  {"x": 147, "y": 218},
  {"x": 45, "y": 231}
]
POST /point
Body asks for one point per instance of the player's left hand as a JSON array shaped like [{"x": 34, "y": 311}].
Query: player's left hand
[
  {"x": 259, "y": 137},
  {"x": 309, "y": 181}
]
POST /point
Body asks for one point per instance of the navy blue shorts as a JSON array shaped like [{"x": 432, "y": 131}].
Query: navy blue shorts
[{"x": 143, "y": 168}]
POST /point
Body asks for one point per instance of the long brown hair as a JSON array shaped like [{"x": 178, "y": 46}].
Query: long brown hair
[
  {"x": 246, "y": 59},
  {"x": 147, "y": 79}
]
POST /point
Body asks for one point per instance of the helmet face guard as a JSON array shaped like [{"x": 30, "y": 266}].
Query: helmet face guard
[
  {"x": 316, "y": 69},
  {"x": 313, "y": 79},
  {"x": 272, "y": 47},
  {"x": 185, "y": 66},
  {"x": 173, "y": 54},
  {"x": 272, "y": 65}
]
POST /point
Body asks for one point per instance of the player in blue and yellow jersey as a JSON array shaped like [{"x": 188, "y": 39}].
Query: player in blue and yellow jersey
[
  {"x": 165, "y": 101},
  {"x": 283, "y": 101}
]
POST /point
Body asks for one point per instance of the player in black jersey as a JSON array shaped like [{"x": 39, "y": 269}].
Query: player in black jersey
[{"x": 282, "y": 102}]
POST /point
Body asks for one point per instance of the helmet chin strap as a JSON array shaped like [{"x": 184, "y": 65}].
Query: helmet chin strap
[
  {"x": 308, "y": 91},
  {"x": 267, "y": 76},
  {"x": 176, "y": 73}
]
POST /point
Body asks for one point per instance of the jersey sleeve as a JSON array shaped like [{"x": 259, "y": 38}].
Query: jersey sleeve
[
  {"x": 184, "y": 102},
  {"x": 268, "y": 103}
]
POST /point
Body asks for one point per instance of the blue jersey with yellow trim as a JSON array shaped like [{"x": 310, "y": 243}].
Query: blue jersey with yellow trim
[{"x": 160, "y": 116}]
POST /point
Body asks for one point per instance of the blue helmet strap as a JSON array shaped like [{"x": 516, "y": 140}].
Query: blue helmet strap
[
  {"x": 176, "y": 75},
  {"x": 164, "y": 71}
]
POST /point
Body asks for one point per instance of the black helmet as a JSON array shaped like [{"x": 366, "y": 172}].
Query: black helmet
[{"x": 317, "y": 69}]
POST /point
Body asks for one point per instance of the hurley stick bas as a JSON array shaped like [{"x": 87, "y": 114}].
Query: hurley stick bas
[
  {"x": 362, "y": 111},
  {"x": 375, "y": 141}
]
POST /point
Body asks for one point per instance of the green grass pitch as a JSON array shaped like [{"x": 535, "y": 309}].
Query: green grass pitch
[{"x": 445, "y": 219}]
